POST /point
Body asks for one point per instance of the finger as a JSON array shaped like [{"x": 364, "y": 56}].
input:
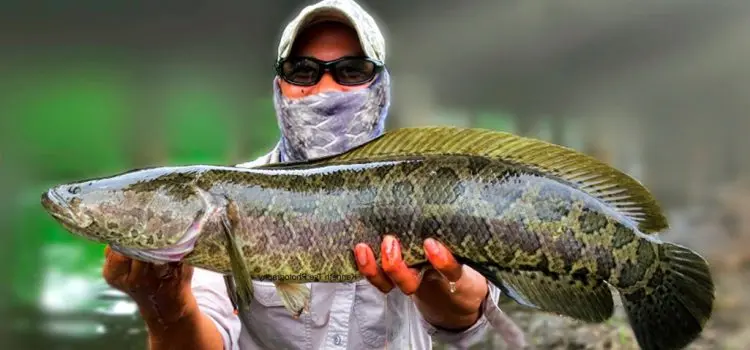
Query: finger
[
  {"x": 368, "y": 267},
  {"x": 394, "y": 267},
  {"x": 116, "y": 266},
  {"x": 138, "y": 275},
  {"x": 442, "y": 260},
  {"x": 184, "y": 270}
]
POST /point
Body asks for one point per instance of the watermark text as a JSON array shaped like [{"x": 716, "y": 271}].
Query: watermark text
[{"x": 328, "y": 277}]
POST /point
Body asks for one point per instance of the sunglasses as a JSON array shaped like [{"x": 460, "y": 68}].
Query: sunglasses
[{"x": 307, "y": 71}]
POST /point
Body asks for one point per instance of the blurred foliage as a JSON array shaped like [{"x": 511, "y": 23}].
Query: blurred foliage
[{"x": 68, "y": 120}]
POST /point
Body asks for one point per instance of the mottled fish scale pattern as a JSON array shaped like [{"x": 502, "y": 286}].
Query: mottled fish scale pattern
[{"x": 308, "y": 223}]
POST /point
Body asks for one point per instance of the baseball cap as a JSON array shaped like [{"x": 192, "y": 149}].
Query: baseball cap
[{"x": 344, "y": 11}]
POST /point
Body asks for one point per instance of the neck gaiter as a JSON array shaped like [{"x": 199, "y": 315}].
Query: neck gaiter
[{"x": 331, "y": 122}]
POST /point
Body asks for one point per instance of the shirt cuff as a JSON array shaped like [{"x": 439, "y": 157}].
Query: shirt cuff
[
  {"x": 473, "y": 334},
  {"x": 491, "y": 318}
]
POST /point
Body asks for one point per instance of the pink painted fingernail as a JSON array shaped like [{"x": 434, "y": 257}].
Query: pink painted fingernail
[
  {"x": 431, "y": 246},
  {"x": 393, "y": 252},
  {"x": 388, "y": 242},
  {"x": 361, "y": 256}
]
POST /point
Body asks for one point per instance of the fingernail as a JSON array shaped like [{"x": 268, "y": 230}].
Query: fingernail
[
  {"x": 393, "y": 251},
  {"x": 437, "y": 256},
  {"x": 388, "y": 243},
  {"x": 431, "y": 247},
  {"x": 361, "y": 255}
]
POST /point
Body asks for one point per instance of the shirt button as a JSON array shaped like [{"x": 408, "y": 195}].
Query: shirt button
[{"x": 337, "y": 339}]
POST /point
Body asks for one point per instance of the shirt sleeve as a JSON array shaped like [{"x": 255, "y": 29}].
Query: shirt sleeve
[
  {"x": 211, "y": 295},
  {"x": 493, "y": 318}
]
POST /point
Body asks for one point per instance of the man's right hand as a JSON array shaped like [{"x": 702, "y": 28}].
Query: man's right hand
[
  {"x": 162, "y": 292},
  {"x": 166, "y": 302}
]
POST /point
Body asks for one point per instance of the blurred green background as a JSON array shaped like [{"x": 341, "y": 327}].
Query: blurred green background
[
  {"x": 659, "y": 89},
  {"x": 75, "y": 116}
]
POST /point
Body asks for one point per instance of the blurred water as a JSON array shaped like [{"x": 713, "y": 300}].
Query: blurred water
[{"x": 77, "y": 312}]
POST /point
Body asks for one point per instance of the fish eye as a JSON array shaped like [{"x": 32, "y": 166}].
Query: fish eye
[{"x": 74, "y": 190}]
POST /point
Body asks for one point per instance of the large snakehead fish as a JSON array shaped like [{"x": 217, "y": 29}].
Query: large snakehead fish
[{"x": 551, "y": 227}]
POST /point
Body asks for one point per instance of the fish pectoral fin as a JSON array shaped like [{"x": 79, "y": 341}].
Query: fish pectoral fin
[
  {"x": 240, "y": 297},
  {"x": 243, "y": 284},
  {"x": 591, "y": 301},
  {"x": 294, "y": 296}
]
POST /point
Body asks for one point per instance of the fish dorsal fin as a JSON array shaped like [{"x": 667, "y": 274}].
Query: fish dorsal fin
[{"x": 600, "y": 180}]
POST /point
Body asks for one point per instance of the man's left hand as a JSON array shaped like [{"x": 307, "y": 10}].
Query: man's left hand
[{"x": 457, "y": 310}]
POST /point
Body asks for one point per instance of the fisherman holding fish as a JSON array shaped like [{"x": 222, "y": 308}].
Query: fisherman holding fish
[
  {"x": 332, "y": 93},
  {"x": 282, "y": 247}
]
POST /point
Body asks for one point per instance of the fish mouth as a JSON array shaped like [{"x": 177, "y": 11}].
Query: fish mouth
[{"x": 60, "y": 209}]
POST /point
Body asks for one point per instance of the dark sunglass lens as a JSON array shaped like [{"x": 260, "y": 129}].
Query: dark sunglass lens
[
  {"x": 301, "y": 71},
  {"x": 354, "y": 71}
]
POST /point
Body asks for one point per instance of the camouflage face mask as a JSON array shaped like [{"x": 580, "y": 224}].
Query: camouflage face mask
[{"x": 331, "y": 122}]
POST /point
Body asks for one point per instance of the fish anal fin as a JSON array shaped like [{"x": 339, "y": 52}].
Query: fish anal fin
[
  {"x": 294, "y": 296},
  {"x": 611, "y": 186},
  {"x": 591, "y": 302}
]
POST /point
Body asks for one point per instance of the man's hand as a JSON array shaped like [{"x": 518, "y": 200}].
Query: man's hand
[
  {"x": 166, "y": 302},
  {"x": 162, "y": 292},
  {"x": 455, "y": 310}
]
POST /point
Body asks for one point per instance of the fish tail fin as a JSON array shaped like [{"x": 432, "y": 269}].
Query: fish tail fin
[{"x": 671, "y": 311}]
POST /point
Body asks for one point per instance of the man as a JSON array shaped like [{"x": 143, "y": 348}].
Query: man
[{"x": 322, "y": 112}]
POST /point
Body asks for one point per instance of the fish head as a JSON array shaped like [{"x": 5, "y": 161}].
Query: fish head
[{"x": 157, "y": 209}]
